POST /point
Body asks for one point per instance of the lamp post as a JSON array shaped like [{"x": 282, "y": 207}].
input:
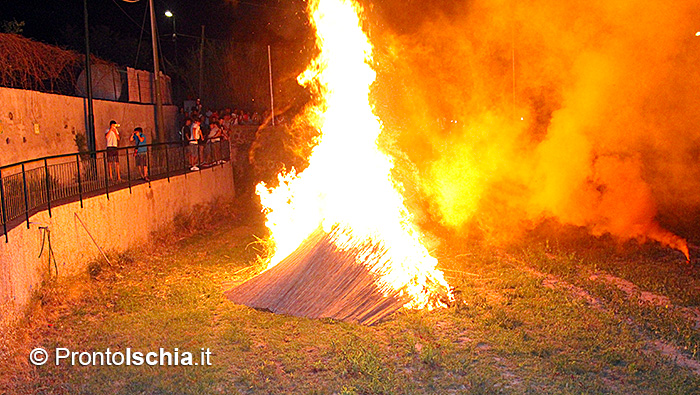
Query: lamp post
[
  {"x": 170, "y": 15},
  {"x": 160, "y": 131},
  {"x": 201, "y": 63},
  {"x": 90, "y": 124}
]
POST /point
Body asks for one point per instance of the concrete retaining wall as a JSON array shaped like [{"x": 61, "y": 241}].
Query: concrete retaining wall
[
  {"x": 125, "y": 220},
  {"x": 35, "y": 124}
]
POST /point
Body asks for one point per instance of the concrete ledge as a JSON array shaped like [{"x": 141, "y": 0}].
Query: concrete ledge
[{"x": 125, "y": 220}]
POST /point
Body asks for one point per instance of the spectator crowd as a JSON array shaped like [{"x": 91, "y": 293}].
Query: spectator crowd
[{"x": 199, "y": 127}]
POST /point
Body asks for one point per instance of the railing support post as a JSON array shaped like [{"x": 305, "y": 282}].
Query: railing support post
[
  {"x": 184, "y": 158},
  {"x": 167, "y": 163},
  {"x": 128, "y": 170},
  {"x": 48, "y": 186},
  {"x": 80, "y": 184},
  {"x": 26, "y": 196},
  {"x": 148, "y": 164},
  {"x": 104, "y": 160},
  {"x": 4, "y": 214}
]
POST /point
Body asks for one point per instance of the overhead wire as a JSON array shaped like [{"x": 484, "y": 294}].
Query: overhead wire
[
  {"x": 142, "y": 27},
  {"x": 129, "y": 16},
  {"x": 143, "y": 24}
]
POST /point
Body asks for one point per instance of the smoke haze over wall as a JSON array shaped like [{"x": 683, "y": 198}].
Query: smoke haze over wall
[{"x": 608, "y": 94}]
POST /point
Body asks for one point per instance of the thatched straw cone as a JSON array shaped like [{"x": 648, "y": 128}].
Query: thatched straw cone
[{"x": 320, "y": 281}]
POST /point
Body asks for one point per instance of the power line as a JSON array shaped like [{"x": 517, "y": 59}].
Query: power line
[
  {"x": 127, "y": 15},
  {"x": 196, "y": 37},
  {"x": 138, "y": 50}
]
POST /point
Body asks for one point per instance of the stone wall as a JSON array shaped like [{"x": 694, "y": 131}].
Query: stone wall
[
  {"x": 125, "y": 220},
  {"x": 35, "y": 124}
]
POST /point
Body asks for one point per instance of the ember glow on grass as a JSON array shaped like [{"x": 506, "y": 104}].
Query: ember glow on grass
[{"x": 348, "y": 188}]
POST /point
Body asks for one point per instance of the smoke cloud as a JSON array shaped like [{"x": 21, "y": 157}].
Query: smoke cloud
[{"x": 518, "y": 111}]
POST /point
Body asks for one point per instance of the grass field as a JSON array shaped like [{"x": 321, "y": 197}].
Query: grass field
[{"x": 540, "y": 317}]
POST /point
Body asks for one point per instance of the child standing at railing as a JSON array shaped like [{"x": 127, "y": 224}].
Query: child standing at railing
[{"x": 141, "y": 152}]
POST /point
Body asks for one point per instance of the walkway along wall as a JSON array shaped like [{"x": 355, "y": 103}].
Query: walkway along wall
[
  {"x": 123, "y": 221},
  {"x": 35, "y": 124}
]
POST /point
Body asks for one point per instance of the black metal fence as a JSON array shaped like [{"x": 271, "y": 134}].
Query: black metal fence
[{"x": 34, "y": 185}]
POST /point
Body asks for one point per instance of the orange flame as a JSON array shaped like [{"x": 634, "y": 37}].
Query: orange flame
[{"x": 348, "y": 183}]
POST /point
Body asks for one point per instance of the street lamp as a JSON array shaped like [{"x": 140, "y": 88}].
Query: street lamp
[
  {"x": 160, "y": 125},
  {"x": 170, "y": 15},
  {"x": 697, "y": 34}
]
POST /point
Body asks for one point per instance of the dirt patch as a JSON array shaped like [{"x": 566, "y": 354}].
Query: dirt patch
[
  {"x": 665, "y": 349},
  {"x": 632, "y": 291},
  {"x": 676, "y": 356},
  {"x": 553, "y": 282}
]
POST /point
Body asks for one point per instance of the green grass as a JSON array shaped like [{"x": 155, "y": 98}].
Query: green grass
[
  {"x": 651, "y": 268},
  {"x": 506, "y": 333}
]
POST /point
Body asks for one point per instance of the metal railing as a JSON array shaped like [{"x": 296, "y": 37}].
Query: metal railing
[{"x": 38, "y": 184}]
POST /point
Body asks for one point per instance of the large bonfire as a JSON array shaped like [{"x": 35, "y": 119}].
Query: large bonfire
[{"x": 344, "y": 244}]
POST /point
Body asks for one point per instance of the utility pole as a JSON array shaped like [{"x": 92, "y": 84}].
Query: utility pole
[
  {"x": 201, "y": 63},
  {"x": 272, "y": 94},
  {"x": 90, "y": 124},
  {"x": 160, "y": 128}
]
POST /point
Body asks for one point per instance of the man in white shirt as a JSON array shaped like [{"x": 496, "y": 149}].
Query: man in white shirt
[
  {"x": 112, "y": 137},
  {"x": 195, "y": 137}
]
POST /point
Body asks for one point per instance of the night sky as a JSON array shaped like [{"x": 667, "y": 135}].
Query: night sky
[{"x": 263, "y": 21}]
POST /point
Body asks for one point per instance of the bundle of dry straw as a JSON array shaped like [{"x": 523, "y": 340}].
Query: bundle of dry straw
[{"x": 318, "y": 280}]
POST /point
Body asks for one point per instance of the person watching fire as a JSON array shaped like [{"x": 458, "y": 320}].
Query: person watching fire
[
  {"x": 195, "y": 137},
  {"x": 112, "y": 137},
  {"x": 141, "y": 152}
]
